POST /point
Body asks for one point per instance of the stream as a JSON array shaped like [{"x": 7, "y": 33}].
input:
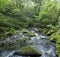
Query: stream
[{"x": 39, "y": 42}]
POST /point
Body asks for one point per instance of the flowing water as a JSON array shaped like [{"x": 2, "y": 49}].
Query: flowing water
[{"x": 39, "y": 43}]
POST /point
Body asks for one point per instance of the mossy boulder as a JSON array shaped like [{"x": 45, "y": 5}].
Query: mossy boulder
[
  {"x": 28, "y": 33},
  {"x": 27, "y": 50}
]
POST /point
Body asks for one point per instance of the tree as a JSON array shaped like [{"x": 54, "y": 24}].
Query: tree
[{"x": 48, "y": 13}]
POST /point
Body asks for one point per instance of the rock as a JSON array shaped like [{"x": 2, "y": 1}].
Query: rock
[
  {"x": 27, "y": 50},
  {"x": 28, "y": 33}
]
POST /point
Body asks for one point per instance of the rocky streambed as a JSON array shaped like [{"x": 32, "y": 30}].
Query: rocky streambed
[{"x": 25, "y": 43}]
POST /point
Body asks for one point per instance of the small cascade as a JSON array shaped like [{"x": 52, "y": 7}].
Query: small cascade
[{"x": 40, "y": 43}]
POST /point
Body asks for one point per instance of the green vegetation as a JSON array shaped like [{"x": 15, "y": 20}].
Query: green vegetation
[
  {"x": 28, "y": 33},
  {"x": 15, "y": 15},
  {"x": 55, "y": 37},
  {"x": 43, "y": 14},
  {"x": 28, "y": 50}
]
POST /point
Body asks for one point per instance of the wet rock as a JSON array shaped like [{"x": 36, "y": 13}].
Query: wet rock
[
  {"x": 27, "y": 33},
  {"x": 27, "y": 50}
]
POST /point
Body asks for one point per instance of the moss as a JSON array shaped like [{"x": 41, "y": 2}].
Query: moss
[
  {"x": 24, "y": 31},
  {"x": 28, "y": 50},
  {"x": 28, "y": 33},
  {"x": 23, "y": 42}
]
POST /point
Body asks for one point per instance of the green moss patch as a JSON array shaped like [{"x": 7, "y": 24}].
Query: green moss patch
[
  {"x": 28, "y": 33},
  {"x": 27, "y": 50}
]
